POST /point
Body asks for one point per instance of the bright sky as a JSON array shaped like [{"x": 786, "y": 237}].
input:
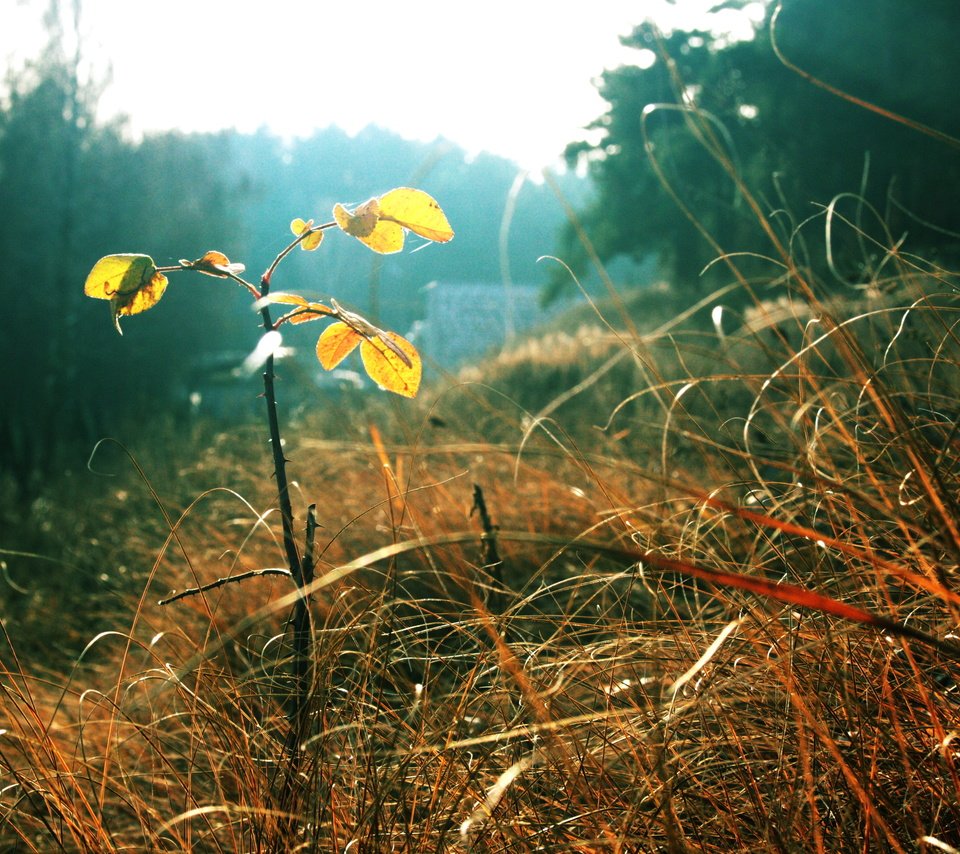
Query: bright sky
[{"x": 513, "y": 77}]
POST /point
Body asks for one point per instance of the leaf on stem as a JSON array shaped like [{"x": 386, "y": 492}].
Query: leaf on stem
[
  {"x": 312, "y": 240},
  {"x": 393, "y": 363},
  {"x": 381, "y": 223},
  {"x": 304, "y": 312},
  {"x": 336, "y": 343},
  {"x": 270, "y": 344},
  {"x": 390, "y": 360},
  {"x": 214, "y": 263},
  {"x": 418, "y": 212},
  {"x": 365, "y": 224},
  {"x": 131, "y": 282}
]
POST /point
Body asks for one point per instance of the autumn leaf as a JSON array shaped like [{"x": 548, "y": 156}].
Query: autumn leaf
[
  {"x": 312, "y": 240},
  {"x": 365, "y": 224},
  {"x": 131, "y": 282},
  {"x": 280, "y": 297},
  {"x": 386, "y": 366},
  {"x": 214, "y": 263},
  {"x": 362, "y": 222},
  {"x": 416, "y": 211},
  {"x": 336, "y": 343},
  {"x": 305, "y": 311},
  {"x": 381, "y": 223}
]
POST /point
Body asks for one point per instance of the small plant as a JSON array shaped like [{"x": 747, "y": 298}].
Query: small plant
[{"x": 133, "y": 283}]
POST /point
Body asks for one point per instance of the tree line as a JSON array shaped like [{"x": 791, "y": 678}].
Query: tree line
[{"x": 698, "y": 118}]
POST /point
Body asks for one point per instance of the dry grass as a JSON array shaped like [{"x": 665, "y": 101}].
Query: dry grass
[
  {"x": 566, "y": 700},
  {"x": 610, "y": 685}
]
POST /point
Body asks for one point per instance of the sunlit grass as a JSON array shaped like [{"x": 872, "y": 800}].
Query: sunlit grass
[{"x": 567, "y": 698}]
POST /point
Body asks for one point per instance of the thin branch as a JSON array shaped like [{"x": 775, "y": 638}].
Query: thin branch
[
  {"x": 268, "y": 275},
  {"x": 309, "y": 551},
  {"x": 254, "y": 573},
  {"x": 492, "y": 561}
]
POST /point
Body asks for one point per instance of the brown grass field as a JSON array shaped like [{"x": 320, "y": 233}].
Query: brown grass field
[{"x": 623, "y": 662}]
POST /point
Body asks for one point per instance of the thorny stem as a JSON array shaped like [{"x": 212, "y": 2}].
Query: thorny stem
[
  {"x": 220, "y": 582},
  {"x": 492, "y": 561},
  {"x": 302, "y": 658}
]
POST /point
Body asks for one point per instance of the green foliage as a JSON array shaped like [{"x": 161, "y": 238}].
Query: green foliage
[
  {"x": 683, "y": 137},
  {"x": 69, "y": 190}
]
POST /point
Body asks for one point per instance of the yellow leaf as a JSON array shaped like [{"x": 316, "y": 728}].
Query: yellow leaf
[
  {"x": 393, "y": 363},
  {"x": 215, "y": 263},
  {"x": 312, "y": 240},
  {"x": 310, "y": 310},
  {"x": 118, "y": 274},
  {"x": 336, "y": 343},
  {"x": 385, "y": 239},
  {"x": 286, "y": 299},
  {"x": 416, "y": 211},
  {"x": 362, "y": 221},
  {"x": 380, "y": 223},
  {"x": 383, "y": 236},
  {"x": 131, "y": 282}
]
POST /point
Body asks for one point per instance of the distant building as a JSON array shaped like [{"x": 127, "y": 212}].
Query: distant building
[{"x": 464, "y": 321}]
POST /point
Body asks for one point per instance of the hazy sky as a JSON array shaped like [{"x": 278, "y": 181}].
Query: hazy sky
[{"x": 512, "y": 77}]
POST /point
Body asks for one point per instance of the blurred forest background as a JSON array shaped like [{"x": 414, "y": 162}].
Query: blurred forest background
[{"x": 73, "y": 190}]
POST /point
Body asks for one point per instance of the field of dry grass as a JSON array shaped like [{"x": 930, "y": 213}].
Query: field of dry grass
[{"x": 622, "y": 661}]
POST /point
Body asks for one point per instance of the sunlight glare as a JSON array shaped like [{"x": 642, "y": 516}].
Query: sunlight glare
[{"x": 425, "y": 72}]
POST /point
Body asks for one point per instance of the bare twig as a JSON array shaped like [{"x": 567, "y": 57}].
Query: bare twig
[
  {"x": 309, "y": 549},
  {"x": 193, "y": 591},
  {"x": 492, "y": 561}
]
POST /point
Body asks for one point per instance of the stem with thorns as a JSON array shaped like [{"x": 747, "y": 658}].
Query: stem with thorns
[{"x": 302, "y": 657}]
